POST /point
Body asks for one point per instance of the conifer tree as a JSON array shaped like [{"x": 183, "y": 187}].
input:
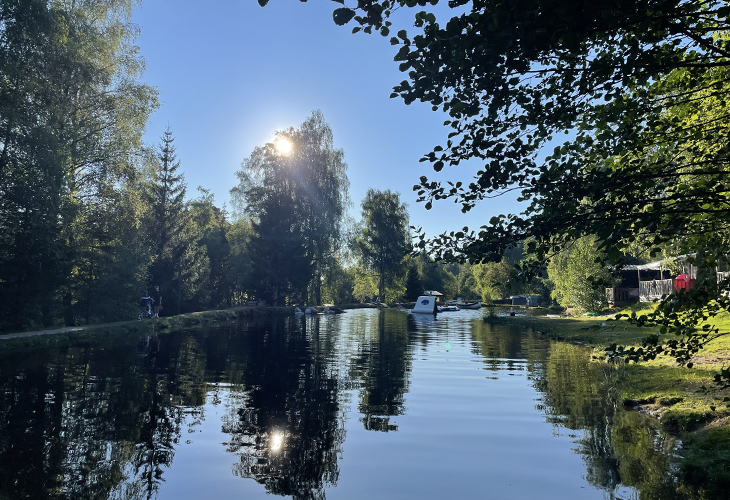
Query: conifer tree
[{"x": 179, "y": 266}]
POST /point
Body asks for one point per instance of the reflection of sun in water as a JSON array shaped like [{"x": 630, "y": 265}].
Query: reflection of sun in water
[
  {"x": 277, "y": 441},
  {"x": 283, "y": 146}
]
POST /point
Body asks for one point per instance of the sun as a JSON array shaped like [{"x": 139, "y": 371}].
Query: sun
[{"x": 283, "y": 146}]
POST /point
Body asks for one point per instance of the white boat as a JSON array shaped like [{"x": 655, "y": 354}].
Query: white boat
[
  {"x": 469, "y": 305},
  {"x": 426, "y": 304},
  {"x": 442, "y": 309}
]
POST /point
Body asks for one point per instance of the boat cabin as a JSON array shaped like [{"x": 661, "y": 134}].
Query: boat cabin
[{"x": 433, "y": 293}]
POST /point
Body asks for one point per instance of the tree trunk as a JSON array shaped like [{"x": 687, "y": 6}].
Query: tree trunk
[
  {"x": 381, "y": 287},
  {"x": 179, "y": 288}
]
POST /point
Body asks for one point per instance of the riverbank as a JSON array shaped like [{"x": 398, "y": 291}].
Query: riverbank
[
  {"x": 61, "y": 336},
  {"x": 82, "y": 333},
  {"x": 684, "y": 400},
  {"x": 681, "y": 397}
]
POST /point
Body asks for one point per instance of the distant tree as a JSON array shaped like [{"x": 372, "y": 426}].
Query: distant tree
[
  {"x": 211, "y": 228},
  {"x": 239, "y": 238},
  {"x": 493, "y": 280},
  {"x": 338, "y": 284},
  {"x": 435, "y": 276},
  {"x": 365, "y": 285},
  {"x": 578, "y": 279},
  {"x": 385, "y": 239},
  {"x": 466, "y": 282},
  {"x": 414, "y": 281}
]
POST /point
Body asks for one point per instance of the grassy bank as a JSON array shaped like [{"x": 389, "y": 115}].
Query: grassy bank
[
  {"x": 684, "y": 400},
  {"x": 662, "y": 387}
]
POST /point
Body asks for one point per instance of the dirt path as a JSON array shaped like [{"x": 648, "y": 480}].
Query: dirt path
[{"x": 67, "y": 329}]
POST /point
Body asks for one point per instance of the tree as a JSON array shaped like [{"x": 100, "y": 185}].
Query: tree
[
  {"x": 325, "y": 194},
  {"x": 640, "y": 89},
  {"x": 414, "y": 281},
  {"x": 239, "y": 238},
  {"x": 180, "y": 266},
  {"x": 466, "y": 282},
  {"x": 338, "y": 284},
  {"x": 385, "y": 239},
  {"x": 493, "y": 280},
  {"x": 268, "y": 195},
  {"x": 212, "y": 228},
  {"x": 71, "y": 117},
  {"x": 302, "y": 194},
  {"x": 365, "y": 286},
  {"x": 579, "y": 280}
]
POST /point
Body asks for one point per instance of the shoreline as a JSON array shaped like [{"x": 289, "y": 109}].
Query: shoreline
[
  {"x": 683, "y": 400},
  {"x": 81, "y": 333}
]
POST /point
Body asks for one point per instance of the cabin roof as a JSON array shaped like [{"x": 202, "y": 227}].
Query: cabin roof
[
  {"x": 433, "y": 293},
  {"x": 651, "y": 266}
]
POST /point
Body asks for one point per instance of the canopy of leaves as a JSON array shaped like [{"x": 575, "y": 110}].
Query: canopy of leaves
[
  {"x": 578, "y": 279},
  {"x": 640, "y": 88},
  {"x": 384, "y": 240}
]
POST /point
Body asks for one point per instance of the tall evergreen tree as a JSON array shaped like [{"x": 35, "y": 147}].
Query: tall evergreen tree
[{"x": 179, "y": 265}]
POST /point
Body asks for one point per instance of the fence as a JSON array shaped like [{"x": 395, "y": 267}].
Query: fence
[{"x": 651, "y": 290}]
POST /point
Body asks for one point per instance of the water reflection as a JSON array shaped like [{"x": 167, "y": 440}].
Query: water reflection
[{"x": 108, "y": 419}]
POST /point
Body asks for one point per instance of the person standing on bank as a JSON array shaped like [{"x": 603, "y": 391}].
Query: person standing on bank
[{"x": 157, "y": 298}]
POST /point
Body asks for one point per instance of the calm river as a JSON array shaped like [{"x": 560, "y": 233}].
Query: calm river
[{"x": 368, "y": 404}]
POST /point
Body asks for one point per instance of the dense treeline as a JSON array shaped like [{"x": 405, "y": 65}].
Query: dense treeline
[{"x": 90, "y": 217}]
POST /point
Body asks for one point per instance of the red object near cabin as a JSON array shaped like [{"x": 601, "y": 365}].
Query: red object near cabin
[{"x": 684, "y": 282}]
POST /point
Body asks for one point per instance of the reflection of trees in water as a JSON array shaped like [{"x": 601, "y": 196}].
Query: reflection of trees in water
[
  {"x": 620, "y": 448},
  {"x": 287, "y": 421},
  {"x": 383, "y": 365},
  {"x": 508, "y": 348},
  {"x": 90, "y": 422}
]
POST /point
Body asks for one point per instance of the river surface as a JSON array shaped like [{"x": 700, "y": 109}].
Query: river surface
[{"x": 367, "y": 404}]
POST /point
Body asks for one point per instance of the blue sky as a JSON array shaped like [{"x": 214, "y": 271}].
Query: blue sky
[{"x": 230, "y": 73}]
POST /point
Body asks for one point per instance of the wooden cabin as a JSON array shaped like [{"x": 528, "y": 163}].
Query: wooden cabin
[{"x": 649, "y": 282}]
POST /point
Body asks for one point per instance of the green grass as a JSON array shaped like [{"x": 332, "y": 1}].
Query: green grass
[{"x": 684, "y": 399}]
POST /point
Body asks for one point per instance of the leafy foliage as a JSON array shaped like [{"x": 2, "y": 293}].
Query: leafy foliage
[
  {"x": 72, "y": 112},
  {"x": 579, "y": 280},
  {"x": 639, "y": 91},
  {"x": 384, "y": 240}
]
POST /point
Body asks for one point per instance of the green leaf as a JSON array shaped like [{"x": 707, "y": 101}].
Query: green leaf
[{"x": 342, "y": 16}]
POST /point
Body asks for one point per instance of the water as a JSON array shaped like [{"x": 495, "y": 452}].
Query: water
[{"x": 368, "y": 404}]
